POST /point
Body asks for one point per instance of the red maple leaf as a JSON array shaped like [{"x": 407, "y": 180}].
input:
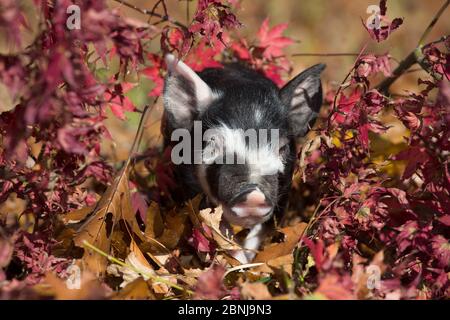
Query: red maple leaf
[
  {"x": 382, "y": 32},
  {"x": 272, "y": 40},
  {"x": 199, "y": 239},
  {"x": 120, "y": 103},
  {"x": 346, "y": 108},
  {"x": 204, "y": 54},
  {"x": 416, "y": 157},
  {"x": 154, "y": 74},
  {"x": 441, "y": 249},
  {"x": 241, "y": 49},
  {"x": 316, "y": 249},
  {"x": 210, "y": 284}
]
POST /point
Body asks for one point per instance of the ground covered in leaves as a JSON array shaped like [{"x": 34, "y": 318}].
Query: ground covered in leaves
[{"x": 88, "y": 214}]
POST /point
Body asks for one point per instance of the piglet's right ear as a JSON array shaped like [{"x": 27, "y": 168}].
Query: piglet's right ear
[
  {"x": 303, "y": 96},
  {"x": 185, "y": 93}
]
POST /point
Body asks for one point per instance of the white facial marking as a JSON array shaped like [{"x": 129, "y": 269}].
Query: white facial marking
[
  {"x": 244, "y": 212},
  {"x": 258, "y": 115},
  {"x": 263, "y": 158}
]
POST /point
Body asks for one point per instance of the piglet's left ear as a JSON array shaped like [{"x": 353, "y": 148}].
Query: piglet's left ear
[
  {"x": 303, "y": 96},
  {"x": 185, "y": 94}
]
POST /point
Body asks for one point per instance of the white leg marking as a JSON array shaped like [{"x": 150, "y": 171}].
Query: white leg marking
[{"x": 252, "y": 243}]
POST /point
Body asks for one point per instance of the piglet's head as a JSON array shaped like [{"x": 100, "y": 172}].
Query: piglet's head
[{"x": 238, "y": 130}]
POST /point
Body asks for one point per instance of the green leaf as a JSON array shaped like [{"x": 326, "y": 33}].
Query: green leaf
[
  {"x": 139, "y": 94},
  {"x": 102, "y": 74}
]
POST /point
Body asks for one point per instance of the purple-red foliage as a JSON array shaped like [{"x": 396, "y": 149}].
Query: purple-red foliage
[
  {"x": 60, "y": 111},
  {"x": 363, "y": 208}
]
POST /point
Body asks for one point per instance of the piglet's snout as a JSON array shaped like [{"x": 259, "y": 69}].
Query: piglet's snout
[{"x": 254, "y": 205}]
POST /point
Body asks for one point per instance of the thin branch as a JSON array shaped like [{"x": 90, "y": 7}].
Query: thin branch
[
  {"x": 440, "y": 40},
  {"x": 188, "y": 13},
  {"x": 404, "y": 65},
  {"x": 152, "y": 14},
  {"x": 313, "y": 219},
  {"x": 342, "y": 83},
  {"x": 325, "y": 54},
  {"x": 152, "y": 11},
  {"x": 411, "y": 58},
  {"x": 153, "y": 277},
  {"x": 414, "y": 70},
  {"x": 433, "y": 22}
]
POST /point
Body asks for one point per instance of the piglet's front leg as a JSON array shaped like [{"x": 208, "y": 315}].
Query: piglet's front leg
[{"x": 250, "y": 244}]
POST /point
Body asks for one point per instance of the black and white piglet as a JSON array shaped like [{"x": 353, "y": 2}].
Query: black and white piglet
[{"x": 224, "y": 105}]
